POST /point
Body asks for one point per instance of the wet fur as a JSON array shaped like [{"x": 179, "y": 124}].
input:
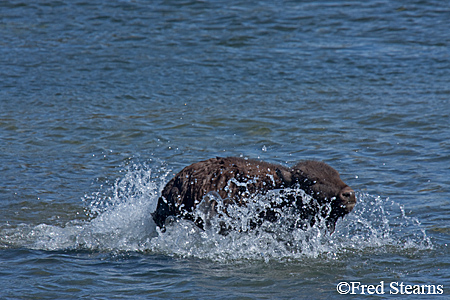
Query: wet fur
[{"x": 235, "y": 179}]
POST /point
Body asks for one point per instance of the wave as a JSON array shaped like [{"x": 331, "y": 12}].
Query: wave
[{"x": 120, "y": 220}]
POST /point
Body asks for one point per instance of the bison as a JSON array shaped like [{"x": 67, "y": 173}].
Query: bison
[{"x": 238, "y": 180}]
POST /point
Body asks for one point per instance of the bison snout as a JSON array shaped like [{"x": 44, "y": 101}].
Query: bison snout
[{"x": 348, "y": 198}]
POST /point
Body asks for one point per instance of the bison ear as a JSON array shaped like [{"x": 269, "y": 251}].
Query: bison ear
[{"x": 285, "y": 176}]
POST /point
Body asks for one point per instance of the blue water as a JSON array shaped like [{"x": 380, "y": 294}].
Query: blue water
[{"x": 101, "y": 102}]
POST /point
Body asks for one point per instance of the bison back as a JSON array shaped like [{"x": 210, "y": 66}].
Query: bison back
[{"x": 233, "y": 178}]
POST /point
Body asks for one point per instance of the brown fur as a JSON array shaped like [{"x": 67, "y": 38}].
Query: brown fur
[{"x": 236, "y": 179}]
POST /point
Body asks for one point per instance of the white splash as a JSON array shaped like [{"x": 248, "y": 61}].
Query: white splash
[
  {"x": 372, "y": 226},
  {"x": 121, "y": 221},
  {"x": 120, "y": 218}
]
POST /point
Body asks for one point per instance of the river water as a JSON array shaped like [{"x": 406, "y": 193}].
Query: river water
[{"x": 101, "y": 102}]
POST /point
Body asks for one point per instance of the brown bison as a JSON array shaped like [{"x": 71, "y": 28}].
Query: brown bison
[{"x": 236, "y": 180}]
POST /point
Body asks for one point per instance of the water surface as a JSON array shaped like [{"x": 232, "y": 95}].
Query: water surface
[{"x": 101, "y": 102}]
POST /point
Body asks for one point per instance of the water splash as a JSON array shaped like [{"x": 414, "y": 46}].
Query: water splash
[
  {"x": 120, "y": 220},
  {"x": 119, "y": 217},
  {"x": 375, "y": 225}
]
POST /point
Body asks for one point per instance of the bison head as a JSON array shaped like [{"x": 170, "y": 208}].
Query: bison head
[{"x": 323, "y": 183}]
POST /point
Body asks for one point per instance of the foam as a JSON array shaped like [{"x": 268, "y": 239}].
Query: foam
[{"x": 120, "y": 220}]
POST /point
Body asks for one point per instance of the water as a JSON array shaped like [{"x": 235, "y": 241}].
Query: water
[{"x": 101, "y": 102}]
